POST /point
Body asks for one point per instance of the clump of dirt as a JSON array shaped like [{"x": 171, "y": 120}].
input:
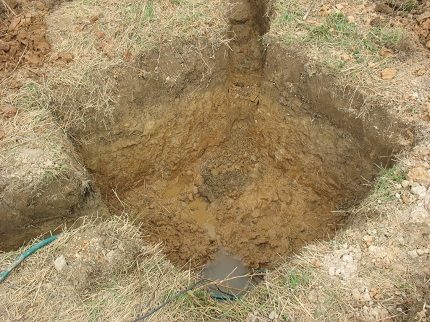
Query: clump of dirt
[
  {"x": 414, "y": 14},
  {"x": 22, "y": 35}
]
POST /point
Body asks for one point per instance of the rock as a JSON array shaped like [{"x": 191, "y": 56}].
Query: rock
[
  {"x": 272, "y": 316},
  {"x": 190, "y": 197},
  {"x": 388, "y": 73},
  {"x": 356, "y": 295},
  {"x": 351, "y": 19},
  {"x": 366, "y": 296},
  {"x": 60, "y": 263},
  {"x": 332, "y": 271},
  {"x": 347, "y": 258},
  {"x": 420, "y": 175},
  {"x": 8, "y": 111},
  {"x": 419, "y": 191},
  {"x": 420, "y": 251},
  {"x": 413, "y": 254},
  {"x": 405, "y": 183}
]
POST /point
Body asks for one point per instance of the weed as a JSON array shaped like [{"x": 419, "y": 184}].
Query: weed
[
  {"x": 387, "y": 177},
  {"x": 406, "y": 5},
  {"x": 388, "y": 36},
  {"x": 296, "y": 278}
]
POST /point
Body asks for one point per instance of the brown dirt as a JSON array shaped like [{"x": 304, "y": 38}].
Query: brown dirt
[
  {"x": 413, "y": 14},
  {"x": 258, "y": 172},
  {"x": 22, "y": 36}
]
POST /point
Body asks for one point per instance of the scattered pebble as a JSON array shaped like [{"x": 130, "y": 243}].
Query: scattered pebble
[{"x": 60, "y": 263}]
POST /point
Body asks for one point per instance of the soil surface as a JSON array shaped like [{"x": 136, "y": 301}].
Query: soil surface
[
  {"x": 230, "y": 166},
  {"x": 22, "y": 35}
]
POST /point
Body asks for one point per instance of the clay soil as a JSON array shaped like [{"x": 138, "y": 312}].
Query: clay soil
[
  {"x": 22, "y": 31},
  {"x": 230, "y": 166}
]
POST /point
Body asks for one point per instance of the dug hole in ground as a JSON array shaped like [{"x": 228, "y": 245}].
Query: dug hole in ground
[{"x": 171, "y": 141}]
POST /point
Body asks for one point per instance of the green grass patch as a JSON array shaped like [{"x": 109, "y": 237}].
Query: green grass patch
[
  {"x": 385, "y": 181},
  {"x": 296, "y": 278},
  {"x": 391, "y": 37}
]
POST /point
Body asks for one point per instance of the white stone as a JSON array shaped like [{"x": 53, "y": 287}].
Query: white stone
[
  {"x": 60, "y": 263},
  {"x": 419, "y": 191},
  {"x": 272, "y": 315},
  {"x": 413, "y": 254},
  {"x": 356, "y": 295},
  {"x": 347, "y": 258},
  {"x": 405, "y": 183},
  {"x": 332, "y": 270}
]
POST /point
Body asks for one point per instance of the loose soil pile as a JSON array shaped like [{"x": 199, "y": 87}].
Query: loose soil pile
[{"x": 23, "y": 35}]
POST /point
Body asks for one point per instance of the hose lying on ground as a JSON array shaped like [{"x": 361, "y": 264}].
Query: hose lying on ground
[{"x": 23, "y": 256}]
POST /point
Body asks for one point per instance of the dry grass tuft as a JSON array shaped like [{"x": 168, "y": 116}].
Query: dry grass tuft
[
  {"x": 106, "y": 35},
  {"x": 118, "y": 290}
]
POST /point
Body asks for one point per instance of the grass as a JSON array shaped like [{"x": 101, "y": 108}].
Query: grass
[
  {"x": 387, "y": 178},
  {"x": 341, "y": 45}
]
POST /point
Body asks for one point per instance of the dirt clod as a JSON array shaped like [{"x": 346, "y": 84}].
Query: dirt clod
[
  {"x": 388, "y": 73},
  {"x": 8, "y": 111}
]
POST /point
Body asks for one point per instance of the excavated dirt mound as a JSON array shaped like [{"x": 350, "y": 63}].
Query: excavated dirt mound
[
  {"x": 22, "y": 35},
  {"x": 412, "y": 13}
]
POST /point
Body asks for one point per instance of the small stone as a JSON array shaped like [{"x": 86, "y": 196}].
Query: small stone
[
  {"x": 190, "y": 197},
  {"x": 189, "y": 173},
  {"x": 195, "y": 190},
  {"x": 398, "y": 195},
  {"x": 60, "y": 263},
  {"x": 339, "y": 6},
  {"x": 388, "y": 73},
  {"x": 356, "y": 295},
  {"x": 413, "y": 254},
  {"x": 272, "y": 316},
  {"x": 347, "y": 258},
  {"x": 332, "y": 271},
  {"x": 420, "y": 251},
  {"x": 405, "y": 183},
  {"x": 419, "y": 191},
  {"x": 350, "y": 19}
]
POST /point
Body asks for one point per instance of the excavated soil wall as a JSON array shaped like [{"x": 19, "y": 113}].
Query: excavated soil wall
[
  {"x": 249, "y": 149},
  {"x": 256, "y": 160}
]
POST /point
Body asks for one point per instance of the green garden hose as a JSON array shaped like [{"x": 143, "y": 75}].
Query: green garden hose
[{"x": 23, "y": 256}]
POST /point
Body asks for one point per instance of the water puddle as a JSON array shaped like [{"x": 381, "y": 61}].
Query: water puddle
[{"x": 232, "y": 277}]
